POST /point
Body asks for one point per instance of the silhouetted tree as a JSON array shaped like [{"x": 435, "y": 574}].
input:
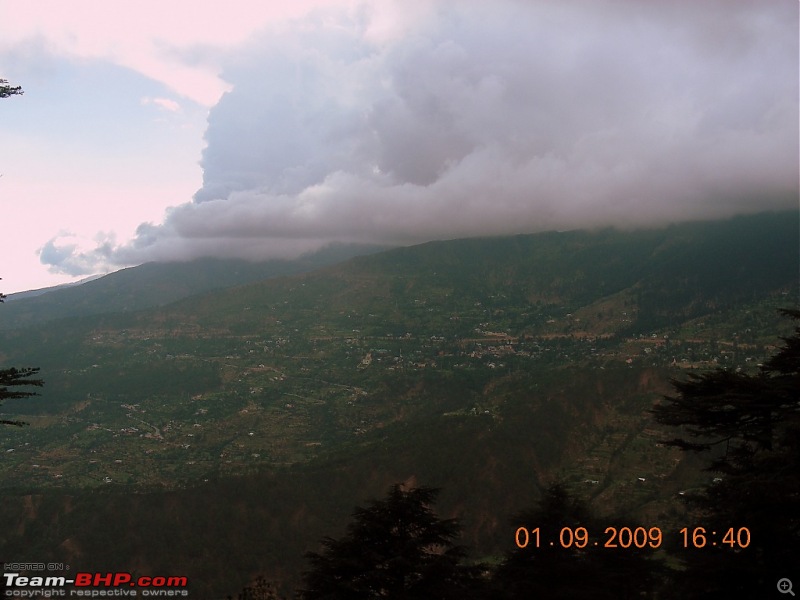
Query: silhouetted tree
[
  {"x": 567, "y": 565},
  {"x": 260, "y": 590},
  {"x": 751, "y": 426},
  {"x": 13, "y": 378},
  {"x": 395, "y": 548},
  {"x": 7, "y": 90}
]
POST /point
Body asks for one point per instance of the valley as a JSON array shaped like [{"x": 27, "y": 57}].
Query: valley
[
  {"x": 165, "y": 407},
  {"x": 490, "y": 368}
]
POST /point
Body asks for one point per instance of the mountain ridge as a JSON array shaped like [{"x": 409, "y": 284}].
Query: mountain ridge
[{"x": 159, "y": 283}]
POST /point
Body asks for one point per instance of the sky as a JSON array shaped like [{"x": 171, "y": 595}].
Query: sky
[{"x": 156, "y": 131}]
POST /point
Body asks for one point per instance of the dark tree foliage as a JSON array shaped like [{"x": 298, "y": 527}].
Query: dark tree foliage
[
  {"x": 260, "y": 590},
  {"x": 752, "y": 425},
  {"x": 7, "y": 90},
  {"x": 395, "y": 548},
  {"x": 557, "y": 572},
  {"x": 739, "y": 414},
  {"x": 13, "y": 378}
]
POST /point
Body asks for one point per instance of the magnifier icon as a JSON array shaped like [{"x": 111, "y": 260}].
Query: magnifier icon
[{"x": 785, "y": 586}]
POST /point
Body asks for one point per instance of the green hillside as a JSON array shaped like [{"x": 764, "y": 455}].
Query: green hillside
[
  {"x": 158, "y": 284},
  {"x": 488, "y": 367}
]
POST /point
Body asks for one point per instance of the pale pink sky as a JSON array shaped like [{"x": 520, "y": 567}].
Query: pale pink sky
[{"x": 85, "y": 192}]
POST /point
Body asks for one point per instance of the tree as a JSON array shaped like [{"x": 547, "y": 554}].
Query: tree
[
  {"x": 750, "y": 424},
  {"x": 740, "y": 416},
  {"x": 13, "y": 378},
  {"x": 395, "y": 548},
  {"x": 7, "y": 90},
  {"x": 563, "y": 560},
  {"x": 261, "y": 589}
]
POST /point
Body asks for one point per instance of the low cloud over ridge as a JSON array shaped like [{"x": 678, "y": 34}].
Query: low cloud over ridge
[{"x": 471, "y": 118}]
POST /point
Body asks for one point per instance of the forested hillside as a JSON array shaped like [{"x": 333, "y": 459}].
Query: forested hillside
[{"x": 224, "y": 434}]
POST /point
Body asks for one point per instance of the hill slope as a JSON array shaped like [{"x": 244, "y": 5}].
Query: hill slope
[
  {"x": 488, "y": 367},
  {"x": 158, "y": 284}
]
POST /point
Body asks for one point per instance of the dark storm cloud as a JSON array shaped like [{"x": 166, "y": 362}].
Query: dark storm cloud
[{"x": 491, "y": 118}]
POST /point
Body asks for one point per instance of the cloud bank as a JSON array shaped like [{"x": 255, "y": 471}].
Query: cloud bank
[{"x": 399, "y": 123}]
